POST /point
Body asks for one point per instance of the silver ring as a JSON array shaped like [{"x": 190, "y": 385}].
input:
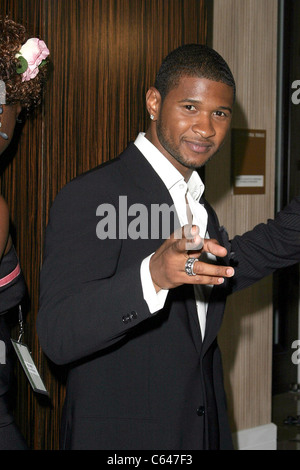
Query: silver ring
[{"x": 189, "y": 266}]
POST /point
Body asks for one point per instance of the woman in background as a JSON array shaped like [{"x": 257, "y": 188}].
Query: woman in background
[{"x": 23, "y": 71}]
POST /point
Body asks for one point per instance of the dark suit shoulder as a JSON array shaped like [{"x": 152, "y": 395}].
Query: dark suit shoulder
[
  {"x": 289, "y": 217},
  {"x": 98, "y": 181},
  {"x": 77, "y": 202}
]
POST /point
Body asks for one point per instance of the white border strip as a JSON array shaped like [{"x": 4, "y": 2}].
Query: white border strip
[{"x": 258, "y": 438}]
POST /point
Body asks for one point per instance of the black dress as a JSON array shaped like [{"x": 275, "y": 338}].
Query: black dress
[{"x": 12, "y": 289}]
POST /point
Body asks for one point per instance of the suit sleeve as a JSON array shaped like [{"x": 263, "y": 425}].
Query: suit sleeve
[
  {"x": 87, "y": 302},
  {"x": 267, "y": 247}
]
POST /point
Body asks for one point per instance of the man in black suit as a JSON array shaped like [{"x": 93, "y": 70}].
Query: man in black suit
[{"x": 125, "y": 300}]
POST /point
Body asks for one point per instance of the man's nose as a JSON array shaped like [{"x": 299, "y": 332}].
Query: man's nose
[{"x": 204, "y": 127}]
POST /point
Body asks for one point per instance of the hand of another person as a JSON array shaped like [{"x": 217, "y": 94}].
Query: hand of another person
[{"x": 167, "y": 265}]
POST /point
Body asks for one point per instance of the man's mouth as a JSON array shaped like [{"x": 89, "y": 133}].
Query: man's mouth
[{"x": 198, "y": 146}]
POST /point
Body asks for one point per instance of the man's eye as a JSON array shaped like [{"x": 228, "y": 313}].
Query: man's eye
[
  {"x": 220, "y": 113},
  {"x": 190, "y": 107}
]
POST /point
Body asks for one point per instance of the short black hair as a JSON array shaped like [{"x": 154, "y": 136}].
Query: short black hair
[{"x": 193, "y": 60}]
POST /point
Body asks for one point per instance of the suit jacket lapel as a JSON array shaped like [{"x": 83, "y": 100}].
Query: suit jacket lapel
[
  {"x": 215, "y": 310},
  {"x": 218, "y": 294},
  {"x": 193, "y": 316},
  {"x": 149, "y": 188},
  {"x": 144, "y": 176}
]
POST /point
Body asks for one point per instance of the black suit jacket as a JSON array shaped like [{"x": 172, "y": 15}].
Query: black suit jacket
[{"x": 136, "y": 380}]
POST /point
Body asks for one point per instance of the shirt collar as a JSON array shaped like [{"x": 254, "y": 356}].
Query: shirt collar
[{"x": 165, "y": 170}]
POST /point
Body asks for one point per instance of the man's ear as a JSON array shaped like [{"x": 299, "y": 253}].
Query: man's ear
[{"x": 153, "y": 102}]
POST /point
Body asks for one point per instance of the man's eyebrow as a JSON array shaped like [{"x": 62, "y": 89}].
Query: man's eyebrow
[
  {"x": 227, "y": 108},
  {"x": 191, "y": 100}
]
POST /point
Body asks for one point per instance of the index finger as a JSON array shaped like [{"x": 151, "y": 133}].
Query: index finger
[{"x": 213, "y": 246}]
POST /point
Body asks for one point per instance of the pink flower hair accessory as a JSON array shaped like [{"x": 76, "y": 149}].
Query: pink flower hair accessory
[{"x": 31, "y": 57}]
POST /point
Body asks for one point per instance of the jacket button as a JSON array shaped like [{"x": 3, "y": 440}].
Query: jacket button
[
  {"x": 133, "y": 314},
  {"x": 201, "y": 411},
  {"x": 125, "y": 319}
]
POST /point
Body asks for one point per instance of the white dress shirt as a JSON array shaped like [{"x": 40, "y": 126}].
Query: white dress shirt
[{"x": 179, "y": 191}]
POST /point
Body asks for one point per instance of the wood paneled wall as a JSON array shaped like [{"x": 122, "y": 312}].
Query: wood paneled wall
[
  {"x": 105, "y": 54},
  {"x": 245, "y": 34}
]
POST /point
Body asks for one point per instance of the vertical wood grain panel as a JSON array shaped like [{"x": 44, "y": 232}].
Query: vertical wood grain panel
[
  {"x": 105, "y": 54},
  {"x": 245, "y": 33}
]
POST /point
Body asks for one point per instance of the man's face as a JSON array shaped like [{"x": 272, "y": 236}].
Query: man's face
[{"x": 193, "y": 121}]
